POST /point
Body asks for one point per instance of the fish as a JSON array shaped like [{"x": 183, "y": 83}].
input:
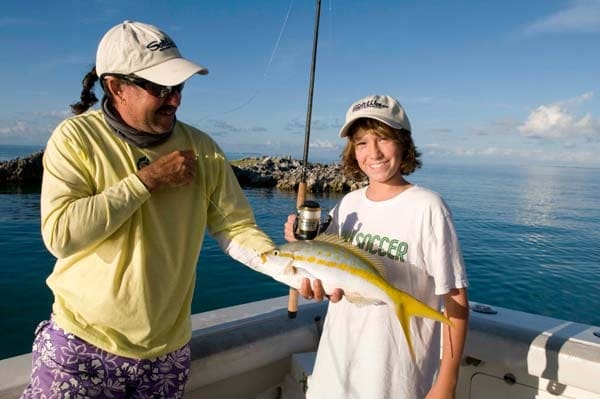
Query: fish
[{"x": 339, "y": 264}]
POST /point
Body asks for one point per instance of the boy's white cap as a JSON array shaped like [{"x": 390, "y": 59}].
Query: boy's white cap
[
  {"x": 382, "y": 108},
  {"x": 141, "y": 49}
]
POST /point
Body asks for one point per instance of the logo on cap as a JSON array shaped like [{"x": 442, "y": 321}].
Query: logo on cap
[
  {"x": 164, "y": 44},
  {"x": 369, "y": 104}
]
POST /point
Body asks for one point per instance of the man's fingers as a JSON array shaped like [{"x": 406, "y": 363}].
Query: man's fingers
[
  {"x": 318, "y": 290},
  {"x": 336, "y": 295},
  {"x": 305, "y": 289}
]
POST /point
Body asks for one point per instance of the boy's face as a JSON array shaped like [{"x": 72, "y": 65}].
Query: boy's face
[{"x": 379, "y": 157}]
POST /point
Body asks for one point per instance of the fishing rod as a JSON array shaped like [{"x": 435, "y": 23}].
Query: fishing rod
[{"x": 301, "y": 198}]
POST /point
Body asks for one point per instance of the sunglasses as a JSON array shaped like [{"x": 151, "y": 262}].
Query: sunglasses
[{"x": 154, "y": 89}]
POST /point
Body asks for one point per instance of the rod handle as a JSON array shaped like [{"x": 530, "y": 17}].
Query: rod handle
[
  {"x": 293, "y": 294},
  {"x": 292, "y": 303},
  {"x": 301, "y": 195}
]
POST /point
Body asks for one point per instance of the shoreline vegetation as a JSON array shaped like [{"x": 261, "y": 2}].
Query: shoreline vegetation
[{"x": 282, "y": 173}]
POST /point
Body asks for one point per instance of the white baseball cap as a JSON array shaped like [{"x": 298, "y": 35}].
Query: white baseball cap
[
  {"x": 382, "y": 108},
  {"x": 144, "y": 50}
]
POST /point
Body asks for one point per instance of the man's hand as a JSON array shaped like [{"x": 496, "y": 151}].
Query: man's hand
[
  {"x": 318, "y": 293},
  {"x": 175, "y": 169},
  {"x": 288, "y": 228}
]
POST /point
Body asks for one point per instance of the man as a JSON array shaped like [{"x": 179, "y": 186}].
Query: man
[{"x": 127, "y": 195}]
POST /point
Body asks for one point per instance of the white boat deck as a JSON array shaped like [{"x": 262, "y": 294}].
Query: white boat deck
[{"x": 255, "y": 351}]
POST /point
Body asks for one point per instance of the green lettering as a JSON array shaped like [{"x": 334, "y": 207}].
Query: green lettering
[
  {"x": 368, "y": 242},
  {"x": 402, "y": 251},
  {"x": 392, "y": 249},
  {"x": 374, "y": 246},
  {"x": 360, "y": 240},
  {"x": 382, "y": 250}
]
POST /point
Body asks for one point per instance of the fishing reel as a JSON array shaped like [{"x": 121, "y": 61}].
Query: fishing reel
[{"x": 308, "y": 222}]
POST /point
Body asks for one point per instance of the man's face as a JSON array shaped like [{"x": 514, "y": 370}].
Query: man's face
[{"x": 145, "y": 111}]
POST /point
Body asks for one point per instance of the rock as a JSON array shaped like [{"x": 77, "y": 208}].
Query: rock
[
  {"x": 24, "y": 171},
  {"x": 283, "y": 173}
]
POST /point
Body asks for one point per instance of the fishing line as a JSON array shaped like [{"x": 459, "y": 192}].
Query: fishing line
[
  {"x": 265, "y": 74},
  {"x": 331, "y": 27}
]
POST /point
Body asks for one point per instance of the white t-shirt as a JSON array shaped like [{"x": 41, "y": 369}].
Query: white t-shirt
[{"x": 363, "y": 352}]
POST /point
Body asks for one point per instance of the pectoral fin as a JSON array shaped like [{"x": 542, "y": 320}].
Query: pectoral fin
[
  {"x": 359, "y": 300},
  {"x": 290, "y": 270}
]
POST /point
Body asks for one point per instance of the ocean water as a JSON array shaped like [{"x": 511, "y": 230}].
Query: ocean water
[{"x": 530, "y": 237}]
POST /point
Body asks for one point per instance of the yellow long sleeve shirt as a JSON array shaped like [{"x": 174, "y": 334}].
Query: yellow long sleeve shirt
[{"x": 126, "y": 258}]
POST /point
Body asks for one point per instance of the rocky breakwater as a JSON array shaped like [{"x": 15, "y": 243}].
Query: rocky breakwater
[
  {"x": 283, "y": 173},
  {"x": 22, "y": 171}
]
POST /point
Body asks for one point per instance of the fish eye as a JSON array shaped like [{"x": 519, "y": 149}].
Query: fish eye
[{"x": 276, "y": 252}]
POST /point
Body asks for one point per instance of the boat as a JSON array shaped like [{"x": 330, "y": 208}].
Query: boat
[{"x": 255, "y": 351}]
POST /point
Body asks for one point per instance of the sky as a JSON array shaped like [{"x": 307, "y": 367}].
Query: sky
[{"x": 508, "y": 82}]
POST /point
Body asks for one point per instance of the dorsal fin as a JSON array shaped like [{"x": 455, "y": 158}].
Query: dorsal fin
[{"x": 364, "y": 255}]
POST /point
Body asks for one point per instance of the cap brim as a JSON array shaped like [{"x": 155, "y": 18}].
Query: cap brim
[
  {"x": 171, "y": 72},
  {"x": 346, "y": 127}
]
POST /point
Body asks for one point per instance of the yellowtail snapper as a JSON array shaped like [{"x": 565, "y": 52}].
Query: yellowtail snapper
[{"x": 339, "y": 264}]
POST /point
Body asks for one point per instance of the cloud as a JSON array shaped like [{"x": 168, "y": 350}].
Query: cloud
[
  {"x": 557, "y": 120},
  {"x": 222, "y": 125},
  {"x": 13, "y": 21},
  {"x": 578, "y": 100},
  {"x": 297, "y": 125},
  {"x": 547, "y": 121},
  {"x": 24, "y": 132},
  {"x": 54, "y": 116},
  {"x": 30, "y": 128},
  {"x": 324, "y": 144},
  {"x": 318, "y": 124},
  {"x": 524, "y": 155},
  {"x": 498, "y": 127},
  {"x": 440, "y": 131},
  {"x": 16, "y": 129},
  {"x": 579, "y": 16},
  {"x": 217, "y": 127},
  {"x": 424, "y": 100}
]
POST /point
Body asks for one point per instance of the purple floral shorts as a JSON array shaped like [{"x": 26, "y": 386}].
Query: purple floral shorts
[{"x": 65, "y": 366}]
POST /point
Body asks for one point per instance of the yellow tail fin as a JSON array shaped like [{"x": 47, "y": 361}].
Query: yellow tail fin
[{"x": 407, "y": 306}]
